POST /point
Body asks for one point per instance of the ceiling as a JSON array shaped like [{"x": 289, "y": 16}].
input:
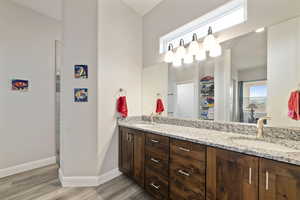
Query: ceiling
[
  {"x": 50, "y": 8},
  {"x": 142, "y": 6},
  {"x": 53, "y": 8}
]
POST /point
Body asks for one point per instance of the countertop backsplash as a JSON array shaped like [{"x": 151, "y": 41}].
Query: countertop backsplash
[{"x": 241, "y": 128}]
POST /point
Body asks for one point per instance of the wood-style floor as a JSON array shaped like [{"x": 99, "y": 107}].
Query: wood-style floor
[{"x": 43, "y": 184}]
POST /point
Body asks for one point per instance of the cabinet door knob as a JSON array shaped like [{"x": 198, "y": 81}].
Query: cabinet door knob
[
  {"x": 154, "y": 141},
  {"x": 184, "y": 149},
  {"x": 155, "y": 186},
  {"x": 154, "y": 160},
  {"x": 183, "y": 173},
  {"x": 250, "y": 176},
  {"x": 267, "y": 180}
]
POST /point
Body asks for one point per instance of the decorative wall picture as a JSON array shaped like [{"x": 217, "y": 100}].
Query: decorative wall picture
[
  {"x": 19, "y": 85},
  {"x": 81, "y": 71},
  {"x": 81, "y": 95}
]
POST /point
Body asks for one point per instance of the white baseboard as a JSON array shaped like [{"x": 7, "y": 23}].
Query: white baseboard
[
  {"x": 27, "y": 167},
  {"x": 77, "y": 181},
  {"x": 87, "y": 181},
  {"x": 109, "y": 176}
]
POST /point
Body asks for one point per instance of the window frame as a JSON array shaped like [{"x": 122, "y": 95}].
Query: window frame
[{"x": 201, "y": 24}]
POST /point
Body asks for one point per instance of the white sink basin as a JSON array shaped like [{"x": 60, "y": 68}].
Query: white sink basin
[{"x": 260, "y": 144}]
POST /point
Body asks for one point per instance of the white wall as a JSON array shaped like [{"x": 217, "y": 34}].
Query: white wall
[
  {"x": 119, "y": 66},
  {"x": 223, "y": 87},
  {"x": 185, "y": 100},
  {"x": 172, "y": 14},
  {"x": 253, "y": 74},
  {"x": 155, "y": 80},
  {"x": 283, "y": 70},
  {"x": 27, "y": 47},
  {"x": 79, "y": 120}
]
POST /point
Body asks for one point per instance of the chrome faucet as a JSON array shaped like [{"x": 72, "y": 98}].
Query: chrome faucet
[
  {"x": 152, "y": 118},
  {"x": 260, "y": 127}
]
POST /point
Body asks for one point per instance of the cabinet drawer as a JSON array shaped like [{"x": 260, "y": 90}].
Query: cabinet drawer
[
  {"x": 157, "y": 162},
  {"x": 157, "y": 143},
  {"x": 156, "y": 185},
  {"x": 187, "y": 150},
  {"x": 187, "y": 177},
  {"x": 177, "y": 193}
]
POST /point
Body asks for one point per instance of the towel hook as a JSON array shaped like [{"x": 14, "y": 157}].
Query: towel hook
[
  {"x": 158, "y": 95},
  {"x": 121, "y": 92}
]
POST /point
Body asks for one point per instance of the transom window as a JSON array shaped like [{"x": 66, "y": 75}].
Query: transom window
[{"x": 224, "y": 17}]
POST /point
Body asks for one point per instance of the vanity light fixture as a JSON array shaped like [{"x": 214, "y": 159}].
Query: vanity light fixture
[
  {"x": 260, "y": 30},
  {"x": 201, "y": 55},
  {"x": 177, "y": 62},
  {"x": 181, "y": 52},
  {"x": 194, "y": 46},
  {"x": 169, "y": 56},
  {"x": 188, "y": 59},
  {"x": 209, "y": 41},
  {"x": 209, "y": 44}
]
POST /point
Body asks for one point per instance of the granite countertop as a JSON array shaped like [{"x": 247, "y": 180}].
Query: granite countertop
[{"x": 283, "y": 150}]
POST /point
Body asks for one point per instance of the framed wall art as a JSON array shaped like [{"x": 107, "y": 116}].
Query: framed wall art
[
  {"x": 80, "y": 95},
  {"x": 81, "y": 71},
  {"x": 19, "y": 85}
]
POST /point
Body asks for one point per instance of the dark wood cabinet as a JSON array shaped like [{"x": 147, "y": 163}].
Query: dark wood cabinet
[
  {"x": 180, "y": 170},
  {"x": 157, "y": 165},
  {"x": 132, "y": 154},
  {"x": 139, "y": 158},
  {"x": 187, "y": 170},
  {"x": 279, "y": 181},
  {"x": 126, "y": 151},
  {"x": 231, "y": 176},
  {"x": 157, "y": 185}
]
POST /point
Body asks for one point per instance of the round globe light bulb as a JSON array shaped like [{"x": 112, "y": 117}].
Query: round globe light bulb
[
  {"x": 216, "y": 51},
  {"x": 201, "y": 56},
  {"x": 188, "y": 59},
  {"x": 194, "y": 48},
  {"x": 177, "y": 62},
  {"x": 181, "y": 52},
  {"x": 209, "y": 42},
  {"x": 169, "y": 57}
]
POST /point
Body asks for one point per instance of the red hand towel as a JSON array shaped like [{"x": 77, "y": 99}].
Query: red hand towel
[
  {"x": 159, "y": 106},
  {"x": 294, "y": 106},
  {"x": 122, "y": 106}
]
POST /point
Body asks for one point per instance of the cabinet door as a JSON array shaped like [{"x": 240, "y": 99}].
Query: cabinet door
[
  {"x": 279, "y": 181},
  {"x": 231, "y": 176},
  {"x": 126, "y": 151},
  {"x": 139, "y": 158}
]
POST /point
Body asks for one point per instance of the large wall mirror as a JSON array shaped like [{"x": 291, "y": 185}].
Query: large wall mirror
[{"x": 253, "y": 78}]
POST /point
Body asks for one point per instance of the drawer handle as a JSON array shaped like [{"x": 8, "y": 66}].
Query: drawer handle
[
  {"x": 250, "y": 176},
  {"x": 184, "y": 149},
  {"x": 183, "y": 173},
  {"x": 154, "y": 160},
  {"x": 154, "y": 141},
  {"x": 267, "y": 181},
  {"x": 155, "y": 186}
]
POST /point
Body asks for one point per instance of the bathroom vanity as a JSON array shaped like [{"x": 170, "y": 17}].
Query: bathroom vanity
[{"x": 177, "y": 162}]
